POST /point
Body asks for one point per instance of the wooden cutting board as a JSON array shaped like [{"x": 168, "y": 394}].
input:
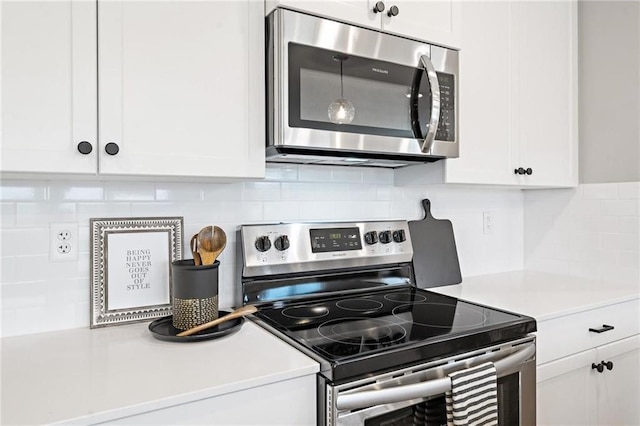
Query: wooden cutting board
[{"x": 435, "y": 257}]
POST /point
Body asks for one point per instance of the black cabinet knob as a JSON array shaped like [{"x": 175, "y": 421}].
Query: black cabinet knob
[
  {"x": 393, "y": 11},
  {"x": 112, "y": 148},
  {"x": 263, "y": 243},
  {"x": 529, "y": 171},
  {"x": 85, "y": 147},
  {"x": 598, "y": 367},
  {"x": 519, "y": 171},
  {"x": 608, "y": 364},
  {"x": 281, "y": 243},
  {"x": 378, "y": 7}
]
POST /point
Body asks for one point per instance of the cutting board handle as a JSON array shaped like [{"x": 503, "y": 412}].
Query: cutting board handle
[{"x": 426, "y": 204}]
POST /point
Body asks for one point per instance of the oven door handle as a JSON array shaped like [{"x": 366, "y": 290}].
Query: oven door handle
[
  {"x": 424, "y": 389},
  {"x": 435, "y": 103}
]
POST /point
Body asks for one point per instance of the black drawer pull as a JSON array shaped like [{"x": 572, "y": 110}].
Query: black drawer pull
[
  {"x": 598, "y": 367},
  {"x": 604, "y": 328}
]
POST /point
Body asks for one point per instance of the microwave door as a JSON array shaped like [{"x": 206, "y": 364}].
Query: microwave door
[{"x": 425, "y": 115}]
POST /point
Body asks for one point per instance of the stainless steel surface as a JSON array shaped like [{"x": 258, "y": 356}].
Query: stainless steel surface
[
  {"x": 289, "y": 26},
  {"x": 300, "y": 258},
  {"x": 354, "y": 402},
  {"x": 435, "y": 103},
  {"x": 432, "y": 387}
]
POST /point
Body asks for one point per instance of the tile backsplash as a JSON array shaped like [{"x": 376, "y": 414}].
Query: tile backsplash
[
  {"x": 40, "y": 295},
  {"x": 589, "y": 231}
]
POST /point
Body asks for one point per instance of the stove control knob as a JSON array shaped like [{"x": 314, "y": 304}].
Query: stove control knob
[
  {"x": 371, "y": 237},
  {"x": 263, "y": 243},
  {"x": 399, "y": 236},
  {"x": 385, "y": 237},
  {"x": 281, "y": 243}
]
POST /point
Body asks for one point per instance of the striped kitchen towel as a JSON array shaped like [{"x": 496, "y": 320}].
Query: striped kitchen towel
[{"x": 473, "y": 398}]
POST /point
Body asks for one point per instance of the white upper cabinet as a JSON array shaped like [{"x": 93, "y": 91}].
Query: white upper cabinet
[
  {"x": 434, "y": 21},
  {"x": 179, "y": 90},
  {"x": 518, "y": 98},
  {"x": 49, "y": 98}
]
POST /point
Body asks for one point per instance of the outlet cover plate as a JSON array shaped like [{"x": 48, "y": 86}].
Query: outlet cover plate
[{"x": 63, "y": 242}]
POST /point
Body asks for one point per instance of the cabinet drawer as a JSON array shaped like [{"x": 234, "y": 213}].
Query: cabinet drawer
[{"x": 563, "y": 336}]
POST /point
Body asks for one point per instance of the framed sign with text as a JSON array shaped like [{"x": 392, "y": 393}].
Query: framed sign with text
[{"x": 130, "y": 267}]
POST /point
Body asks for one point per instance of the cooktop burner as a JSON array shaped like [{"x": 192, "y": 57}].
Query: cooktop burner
[{"x": 348, "y": 328}]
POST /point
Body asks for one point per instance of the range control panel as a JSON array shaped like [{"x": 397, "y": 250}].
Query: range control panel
[{"x": 300, "y": 247}]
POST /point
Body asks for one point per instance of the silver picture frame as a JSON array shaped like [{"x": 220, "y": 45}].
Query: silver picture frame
[{"x": 130, "y": 268}]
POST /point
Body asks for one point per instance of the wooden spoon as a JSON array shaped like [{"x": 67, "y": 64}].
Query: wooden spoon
[
  {"x": 197, "y": 261},
  {"x": 240, "y": 312},
  {"x": 211, "y": 241}
]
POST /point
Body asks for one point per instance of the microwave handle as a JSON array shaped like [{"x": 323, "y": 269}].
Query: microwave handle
[
  {"x": 435, "y": 103},
  {"x": 364, "y": 399}
]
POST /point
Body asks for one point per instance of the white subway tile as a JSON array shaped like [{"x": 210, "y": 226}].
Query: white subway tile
[
  {"x": 25, "y": 242},
  {"x": 281, "y": 172},
  {"x": 308, "y": 173},
  {"x": 242, "y": 211},
  {"x": 158, "y": 209},
  {"x": 25, "y": 321},
  {"x": 620, "y": 207},
  {"x": 629, "y": 190},
  {"x": 87, "y": 211},
  {"x": 316, "y": 211},
  {"x": 223, "y": 192},
  {"x": 623, "y": 274},
  {"x": 608, "y": 224},
  {"x": 617, "y": 242},
  {"x": 347, "y": 174},
  {"x": 261, "y": 191},
  {"x": 23, "y": 191},
  {"x": 379, "y": 176},
  {"x": 281, "y": 211},
  {"x": 178, "y": 192},
  {"x": 39, "y": 214},
  {"x": 299, "y": 191},
  {"x": 8, "y": 273},
  {"x": 67, "y": 291},
  {"x": 600, "y": 191},
  {"x": 76, "y": 191},
  {"x": 7, "y": 215},
  {"x": 24, "y": 295},
  {"x": 130, "y": 191},
  {"x": 375, "y": 210},
  {"x": 629, "y": 259},
  {"x": 384, "y": 193},
  {"x": 629, "y": 225},
  {"x": 584, "y": 269}
]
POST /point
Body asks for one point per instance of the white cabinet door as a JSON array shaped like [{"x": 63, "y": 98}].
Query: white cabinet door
[
  {"x": 545, "y": 91},
  {"x": 434, "y": 21},
  {"x": 566, "y": 392},
  {"x": 181, "y": 87},
  {"x": 486, "y": 145},
  {"x": 619, "y": 388},
  {"x": 49, "y": 97},
  {"x": 359, "y": 12}
]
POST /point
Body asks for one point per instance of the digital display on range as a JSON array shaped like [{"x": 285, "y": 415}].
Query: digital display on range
[{"x": 335, "y": 239}]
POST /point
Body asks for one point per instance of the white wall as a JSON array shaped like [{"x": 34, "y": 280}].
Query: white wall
[
  {"x": 39, "y": 295},
  {"x": 589, "y": 231}
]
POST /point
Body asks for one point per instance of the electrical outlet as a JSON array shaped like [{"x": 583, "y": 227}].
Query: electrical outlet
[
  {"x": 63, "y": 242},
  {"x": 488, "y": 222}
]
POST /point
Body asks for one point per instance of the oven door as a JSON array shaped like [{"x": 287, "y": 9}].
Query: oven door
[
  {"x": 416, "y": 395},
  {"x": 344, "y": 88}
]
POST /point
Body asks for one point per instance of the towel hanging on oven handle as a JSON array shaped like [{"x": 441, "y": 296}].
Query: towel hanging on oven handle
[{"x": 364, "y": 399}]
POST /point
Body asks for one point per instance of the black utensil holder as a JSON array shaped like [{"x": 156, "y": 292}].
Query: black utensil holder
[{"x": 194, "y": 291}]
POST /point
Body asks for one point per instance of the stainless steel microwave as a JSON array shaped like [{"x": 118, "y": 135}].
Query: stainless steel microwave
[{"x": 341, "y": 94}]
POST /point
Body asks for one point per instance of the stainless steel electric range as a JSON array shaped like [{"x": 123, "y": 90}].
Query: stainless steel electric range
[{"x": 344, "y": 294}]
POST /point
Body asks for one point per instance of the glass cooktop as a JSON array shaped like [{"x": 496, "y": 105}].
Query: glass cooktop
[{"x": 360, "y": 333}]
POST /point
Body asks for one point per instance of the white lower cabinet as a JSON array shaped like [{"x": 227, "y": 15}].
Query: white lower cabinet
[
  {"x": 289, "y": 402},
  {"x": 600, "y": 384}
]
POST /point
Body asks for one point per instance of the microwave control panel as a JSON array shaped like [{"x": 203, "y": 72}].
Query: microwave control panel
[{"x": 447, "y": 122}]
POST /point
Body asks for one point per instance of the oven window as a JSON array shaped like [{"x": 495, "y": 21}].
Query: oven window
[
  {"x": 389, "y": 99},
  {"x": 434, "y": 411}
]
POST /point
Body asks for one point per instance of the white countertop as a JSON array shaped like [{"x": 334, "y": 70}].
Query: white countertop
[
  {"x": 541, "y": 295},
  {"x": 88, "y": 376}
]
